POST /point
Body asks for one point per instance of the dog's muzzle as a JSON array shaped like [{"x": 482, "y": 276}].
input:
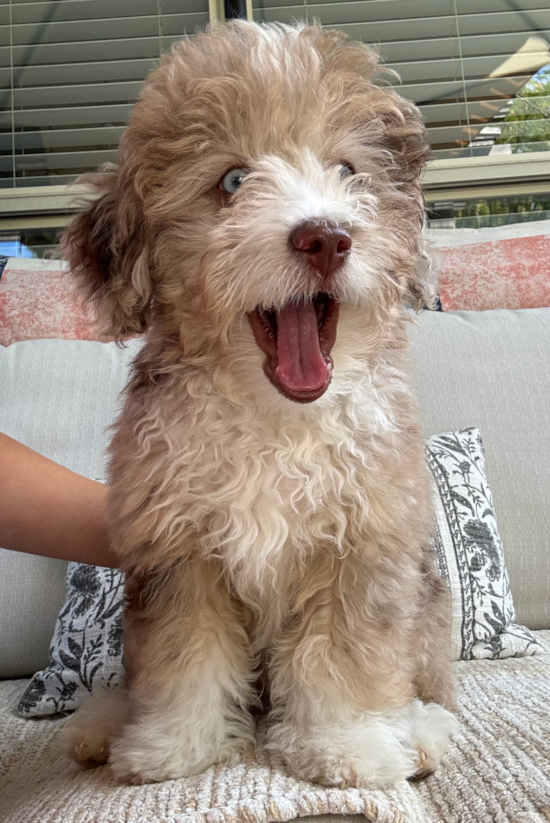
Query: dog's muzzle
[{"x": 297, "y": 339}]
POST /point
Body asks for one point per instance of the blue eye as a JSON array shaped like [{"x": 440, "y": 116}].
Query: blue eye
[
  {"x": 231, "y": 181},
  {"x": 346, "y": 170}
]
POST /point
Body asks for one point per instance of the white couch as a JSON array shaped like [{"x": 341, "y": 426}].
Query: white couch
[{"x": 486, "y": 369}]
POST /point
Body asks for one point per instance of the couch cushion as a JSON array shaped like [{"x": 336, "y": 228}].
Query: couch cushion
[
  {"x": 57, "y": 397},
  {"x": 32, "y": 590},
  {"x": 492, "y": 370}
]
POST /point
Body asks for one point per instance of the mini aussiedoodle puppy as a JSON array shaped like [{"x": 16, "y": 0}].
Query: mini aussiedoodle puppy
[{"x": 270, "y": 503}]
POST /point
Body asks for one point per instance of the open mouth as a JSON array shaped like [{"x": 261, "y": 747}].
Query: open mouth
[{"x": 297, "y": 340}]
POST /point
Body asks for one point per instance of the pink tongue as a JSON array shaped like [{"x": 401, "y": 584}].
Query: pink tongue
[{"x": 301, "y": 364}]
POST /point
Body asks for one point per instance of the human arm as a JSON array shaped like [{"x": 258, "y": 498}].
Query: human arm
[{"x": 49, "y": 510}]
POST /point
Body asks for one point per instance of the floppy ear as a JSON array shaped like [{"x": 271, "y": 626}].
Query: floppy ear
[
  {"x": 107, "y": 253},
  {"x": 407, "y": 141}
]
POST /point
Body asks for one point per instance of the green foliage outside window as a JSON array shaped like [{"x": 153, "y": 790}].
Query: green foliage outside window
[
  {"x": 501, "y": 211},
  {"x": 527, "y": 125}
]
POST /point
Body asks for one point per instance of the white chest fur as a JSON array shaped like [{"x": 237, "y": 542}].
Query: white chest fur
[{"x": 262, "y": 490}]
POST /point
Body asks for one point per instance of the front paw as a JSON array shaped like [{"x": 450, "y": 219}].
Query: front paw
[
  {"x": 431, "y": 729},
  {"x": 88, "y": 748},
  {"x": 374, "y": 751},
  {"x": 132, "y": 762},
  {"x": 368, "y": 753},
  {"x": 88, "y": 734},
  {"x": 146, "y": 755}
]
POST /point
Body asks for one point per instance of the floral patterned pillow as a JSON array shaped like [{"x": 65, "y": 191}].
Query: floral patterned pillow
[
  {"x": 469, "y": 553},
  {"x": 86, "y": 650}
]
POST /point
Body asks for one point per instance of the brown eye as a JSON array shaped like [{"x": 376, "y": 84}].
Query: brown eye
[{"x": 231, "y": 181}]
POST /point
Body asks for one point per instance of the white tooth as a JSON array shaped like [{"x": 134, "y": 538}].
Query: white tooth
[{"x": 277, "y": 371}]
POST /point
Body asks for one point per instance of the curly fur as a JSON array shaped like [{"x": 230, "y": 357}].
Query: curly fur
[{"x": 259, "y": 534}]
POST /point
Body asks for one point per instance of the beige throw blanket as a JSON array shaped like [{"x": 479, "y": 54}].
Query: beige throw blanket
[{"x": 496, "y": 771}]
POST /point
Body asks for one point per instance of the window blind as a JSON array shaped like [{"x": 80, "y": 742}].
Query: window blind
[
  {"x": 70, "y": 71},
  {"x": 476, "y": 68}
]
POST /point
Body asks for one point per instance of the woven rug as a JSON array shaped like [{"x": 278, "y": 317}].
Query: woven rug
[{"x": 497, "y": 769}]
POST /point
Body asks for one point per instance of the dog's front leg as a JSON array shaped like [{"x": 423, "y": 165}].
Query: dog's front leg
[
  {"x": 345, "y": 711},
  {"x": 189, "y": 672}
]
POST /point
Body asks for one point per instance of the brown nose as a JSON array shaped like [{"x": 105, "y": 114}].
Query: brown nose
[{"x": 325, "y": 245}]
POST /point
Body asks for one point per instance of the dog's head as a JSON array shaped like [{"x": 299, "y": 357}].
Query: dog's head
[{"x": 266, "y": 201}]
